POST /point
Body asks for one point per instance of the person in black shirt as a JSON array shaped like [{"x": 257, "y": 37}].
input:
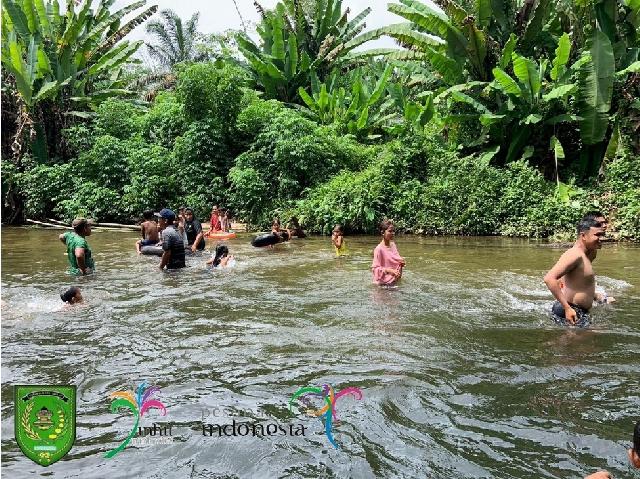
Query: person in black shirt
[
  {"x": 193, "y": 229},
  {"x": 172, "y": 243}
]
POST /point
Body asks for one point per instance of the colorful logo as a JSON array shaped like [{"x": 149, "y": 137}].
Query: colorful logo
[
  {"x": 329, "y": 397},
  {"x": 45, "y": 421},
  {"x": 138, "y": 405}
]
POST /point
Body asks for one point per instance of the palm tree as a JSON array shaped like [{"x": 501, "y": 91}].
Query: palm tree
[{"x": 176, "y": 42}]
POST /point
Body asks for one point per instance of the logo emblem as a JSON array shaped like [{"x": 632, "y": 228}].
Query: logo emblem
[
  {"x": 45, "y": 421},
  {"x": 329, "y": 409},
  {"x": 138, "y": 404}
]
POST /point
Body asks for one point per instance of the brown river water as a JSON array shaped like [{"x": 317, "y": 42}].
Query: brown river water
[{"x": 462, "y": 373}]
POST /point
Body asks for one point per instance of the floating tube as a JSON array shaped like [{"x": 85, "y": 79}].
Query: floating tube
[
  {"x": 152, "y": 250},
  {"x": 268, "y": 239},
  {"x": 220, "y": 236}
]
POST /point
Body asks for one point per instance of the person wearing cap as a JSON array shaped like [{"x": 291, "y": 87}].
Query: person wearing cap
[
  {"x": 193, "y": 230},
  {"x": 172, "y": 244},
  {"x": 78, "y": 251}
]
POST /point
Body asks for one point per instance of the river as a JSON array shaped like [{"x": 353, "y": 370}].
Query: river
[{"x": 462, "y": 373}]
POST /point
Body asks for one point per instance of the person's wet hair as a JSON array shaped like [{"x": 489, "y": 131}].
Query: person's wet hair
[
  {"x": 586, "y": 225},
  {"x": 69, "y": 294},
  {"x": 221, "y": 252},
  {"x": 147, "y": 214},
  {"x": 338, "y": 228},
  {"x": 385, "y": 225},
  {"x": 592, "y": 215}
]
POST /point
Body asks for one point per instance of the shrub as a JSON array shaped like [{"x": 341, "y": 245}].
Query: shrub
[
  {"x": 43, "y": 187},
  {"x": 209, "y": 92},
  {"x": 118, "y": 118},
  {"x": 91, "y": 200},
  {"x": 165, "y": 121}
]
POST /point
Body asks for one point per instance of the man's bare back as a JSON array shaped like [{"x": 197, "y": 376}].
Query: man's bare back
[{"x": 150, "y": 230}]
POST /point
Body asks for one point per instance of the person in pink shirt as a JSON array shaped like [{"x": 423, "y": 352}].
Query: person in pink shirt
[{"x": 387, "y": 262}]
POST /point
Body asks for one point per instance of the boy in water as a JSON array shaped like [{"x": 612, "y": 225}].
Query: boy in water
[
  {"x": 149, "y": 231},
  {"x": 72, "y": 295},
  {"x": 572, "y": 279},
  {"x": 78, "y": 252}
]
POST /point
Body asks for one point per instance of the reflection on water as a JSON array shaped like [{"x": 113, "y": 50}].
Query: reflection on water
[{"x": 463, "y": 373}]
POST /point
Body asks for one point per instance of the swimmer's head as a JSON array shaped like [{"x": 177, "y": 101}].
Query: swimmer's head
[
  {"x": 72, "y": 295},
  {"x": 82, "y": 226},
  {"x": 147, "y": 215},
  {"x": 221, "y": 252},
  {"x": 634, "y": 452},
  {"x": 590, "y": 232},
  {"x": 338, "y": 229}
]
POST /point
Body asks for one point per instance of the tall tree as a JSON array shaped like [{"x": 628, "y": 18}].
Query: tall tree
[{"x": 176, "y": 42}]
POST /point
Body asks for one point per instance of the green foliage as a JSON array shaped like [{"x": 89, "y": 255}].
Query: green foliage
[
  {"x": 165, "y": 121},
  {"x": 297, "y": 44},
  {"x": 119, "y": 119},
  {"x": 290, "y": 154},
  {"x": 73, "y": 56},
  {"x": 209, "y": 92},
  {"x": 175, "y": 41},
  {"x": 43, "y": 187},
  {"x": 90, "y": 200}
]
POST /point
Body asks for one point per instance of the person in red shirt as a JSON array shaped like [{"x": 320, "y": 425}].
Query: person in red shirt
[{"x": 215, "y": 225}]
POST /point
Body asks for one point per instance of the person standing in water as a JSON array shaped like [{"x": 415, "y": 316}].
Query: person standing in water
[
  {"x": 78, "y": 252},
  {"x": 172, "y": 243},
  {"x": 574, "y": 270},
  {"x": 387, "y": 262},
  {"x": 337, "y": 240}
]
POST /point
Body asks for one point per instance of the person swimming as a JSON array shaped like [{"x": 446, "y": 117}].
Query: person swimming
[
  {"x": 72, "y": 295},
  {"x": 221, "y": 258}
]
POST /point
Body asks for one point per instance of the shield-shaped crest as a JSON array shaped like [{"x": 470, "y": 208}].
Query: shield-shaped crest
[{"x": 45, "y": 421}]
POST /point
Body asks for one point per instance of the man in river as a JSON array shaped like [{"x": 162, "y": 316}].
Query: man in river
[
  {"x": 172, "y": 242},
  {"x": 575, "y": 270},
  {"x": 78, "y": 251}
]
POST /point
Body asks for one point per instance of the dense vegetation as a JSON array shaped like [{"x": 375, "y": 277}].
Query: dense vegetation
[{"x": 494, "y": 118}]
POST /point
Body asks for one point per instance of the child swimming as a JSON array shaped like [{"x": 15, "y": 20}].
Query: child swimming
[
  {"x": 221, "y": 258},
  {"x": 72, "y": 295},
  {"x": 337, "y": 240},
  {"x": 387, "y": 263}
]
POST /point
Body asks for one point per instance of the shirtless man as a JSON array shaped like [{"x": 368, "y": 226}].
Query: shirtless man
[
  {"x": 149, "y": 231},
  {"x": 575, "y": 270}
]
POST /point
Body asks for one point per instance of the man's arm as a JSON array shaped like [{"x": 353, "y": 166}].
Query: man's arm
[
  {"x": 567, "y": 263},
  {"x": 79, "y": 252},
  {"x": 63, "y": 238},
  {"x": 166, "y": 256},
  {"x": 196, "y": 242}
]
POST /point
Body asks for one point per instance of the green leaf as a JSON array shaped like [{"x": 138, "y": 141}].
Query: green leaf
[
  {"x": 18, "y": 18},
  {"x": 562, "y": 56},
  {"x": 45, "y": 25},
  {"x": 484, "y": 12},
  {"x": 596, "y": 88},
  {"x": 277, "y": 50},
  {"x": 487, "y": 119},
  {"x": 464, "y": 98},
  {"x": 527, "y": 72},
  {"x": 362, "y": 120},
  {"x": 32, "y": 17},
  {"x": 633, "y": 68},
  {"x": 559, "y": 92},
  {"x": 562, "y": 118},
  {"x": 380, "y": 85},
  {"x": 532, "y": 119},
  {"x": 506, "y": 83},
  {"x": 507, "y": 51},
  {"x": 48, "y": 90}
]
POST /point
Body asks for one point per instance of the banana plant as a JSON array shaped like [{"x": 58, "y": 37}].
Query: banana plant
[
  {"x": 55, "y": 57},
  {"x": 461, "y": 44},
  {"x": 294, "y": 45},
  {"x": 360, "y": 113}
]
